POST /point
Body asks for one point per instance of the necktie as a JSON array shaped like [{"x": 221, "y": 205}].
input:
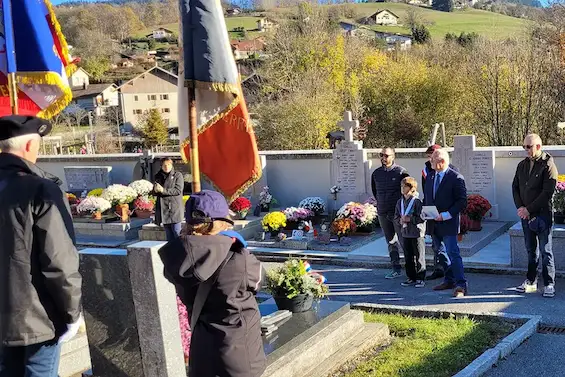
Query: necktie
[{"x": 436, "y": 184}]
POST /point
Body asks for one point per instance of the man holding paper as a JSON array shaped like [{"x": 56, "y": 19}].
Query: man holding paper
[{"x": 445, "y": 190}]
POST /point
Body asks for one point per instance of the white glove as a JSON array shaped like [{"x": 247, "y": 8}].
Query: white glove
[{"x": 72, "y": 330}]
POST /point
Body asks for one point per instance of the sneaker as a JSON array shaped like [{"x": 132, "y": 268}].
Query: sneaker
[
  {"x": 549, "y": 291},
  {"x": 392, "y": 275},
  {"x": 408, "y": 283},
  {"x": 527, "y": 287},
  {"x": 420, "y": 284}
]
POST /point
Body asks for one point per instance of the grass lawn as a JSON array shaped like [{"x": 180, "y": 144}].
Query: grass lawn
[
  {"x": 429, "y": 347},
  {"x": 249, "y": 23}
]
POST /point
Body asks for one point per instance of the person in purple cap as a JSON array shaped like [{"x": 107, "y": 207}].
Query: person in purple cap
[{"x": 216, "y": 277}]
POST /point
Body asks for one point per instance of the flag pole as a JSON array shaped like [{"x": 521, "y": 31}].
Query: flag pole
[
  {"x": 10, "y": 54},
  {"x": 193, "y": 134}
]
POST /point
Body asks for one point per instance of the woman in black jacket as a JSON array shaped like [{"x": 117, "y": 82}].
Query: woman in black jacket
[
  {"x": 216, "y": 277},
  {"x": 168, "y": 188}
]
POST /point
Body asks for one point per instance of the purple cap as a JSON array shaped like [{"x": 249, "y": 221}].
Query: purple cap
[{"x": 206, "y": 206}]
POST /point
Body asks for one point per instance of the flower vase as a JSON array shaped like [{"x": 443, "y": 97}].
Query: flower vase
[
  {"x": 475, "y": 225},
  {"x": 298, "y": 304},
  {"x": 97, "y": 215},
  {"x": 241, "y": 215},
  {"x": 122, "y": 210}
]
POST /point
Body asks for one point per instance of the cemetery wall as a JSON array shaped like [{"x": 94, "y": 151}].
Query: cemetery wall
[{"x": 293, "y": 175}]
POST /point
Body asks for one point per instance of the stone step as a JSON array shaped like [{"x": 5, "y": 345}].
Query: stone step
[
  {"x": 75, "y": 356},
  {"x": 370, "y": 336},
  {"x": 309, "y": 354}
]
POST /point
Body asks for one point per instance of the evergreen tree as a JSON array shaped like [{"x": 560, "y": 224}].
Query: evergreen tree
[
  {"x": 154, "y": 130},
  {"x": 443, "y": 5},
  {"x": 421, "y": 34}
]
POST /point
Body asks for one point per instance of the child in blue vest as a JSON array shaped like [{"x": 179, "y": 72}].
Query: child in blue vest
[{"x": 413, "y": 228}]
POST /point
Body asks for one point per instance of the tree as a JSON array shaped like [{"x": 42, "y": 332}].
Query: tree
[
  {"x": 421, "y": 34},
  {"x": 443, "y": 5},
  {"x": 151, "y": 44},
  {"x": 96, "y": 66},
  {"x": 154, "y": 129}
]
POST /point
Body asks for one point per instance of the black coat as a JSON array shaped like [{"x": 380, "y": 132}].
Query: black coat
[
  {"x": 451, "y": 196},
  {"x": 40, "y": 286},
  {"x": 385, "y": 184},
  {"x": 169, "y": 208},
  {"x": 226, "y": 340},
  {"x": 535, "y": 190}
]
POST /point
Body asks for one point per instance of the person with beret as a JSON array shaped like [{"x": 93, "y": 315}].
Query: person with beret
[
  {"x": 40, "y": 285},
  {"x": 216, "y": 277}
]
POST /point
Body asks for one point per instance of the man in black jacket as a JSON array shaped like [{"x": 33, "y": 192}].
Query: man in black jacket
[
  {"x": 385, "y": 183},
  {"x": 533, "y": 188},
  {"x": 168, "y": 189},
  {"x": 40, "y": 286}
]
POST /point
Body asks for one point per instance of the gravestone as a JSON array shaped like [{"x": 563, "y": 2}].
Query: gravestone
[
  {"x": 349, "y": 167},
  {"x": 478, "y": 169},
  {"x": 80, "y": 178}
]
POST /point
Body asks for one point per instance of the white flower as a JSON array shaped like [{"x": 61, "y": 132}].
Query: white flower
[
  {"x": 142, "y": 187},
  {"x": 93, "y": 204},
  {"x": 119, "y": 194},
  {"x": 314, "y": 204}
]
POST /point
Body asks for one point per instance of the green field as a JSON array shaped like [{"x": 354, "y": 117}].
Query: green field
[
  {"x": 249, "y": 23},
  {"x": 488, "y": 24}
]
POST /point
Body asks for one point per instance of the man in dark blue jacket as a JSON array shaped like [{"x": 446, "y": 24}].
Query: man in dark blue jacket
[
  {"x": 445, "y": 189},
  {"x": 385, "y": 183}
]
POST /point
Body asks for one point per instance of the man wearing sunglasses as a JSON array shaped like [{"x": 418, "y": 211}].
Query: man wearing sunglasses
[
  {"x": 385, "y": 183},
  {"x": 533, "y": 188}
]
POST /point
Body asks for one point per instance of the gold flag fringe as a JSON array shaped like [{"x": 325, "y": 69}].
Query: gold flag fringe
[
  {"x": 62, "y": 40},
  {"x": 48, "y": 78}
]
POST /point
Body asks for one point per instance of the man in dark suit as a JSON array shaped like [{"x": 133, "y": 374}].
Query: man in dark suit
[{"x": 445, "y": 189}]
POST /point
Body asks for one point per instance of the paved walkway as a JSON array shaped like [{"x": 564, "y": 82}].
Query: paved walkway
[{"x": 542, "y": 354}]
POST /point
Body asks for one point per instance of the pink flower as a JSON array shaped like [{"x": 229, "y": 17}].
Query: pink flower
[{"x": 184, "y": 327}]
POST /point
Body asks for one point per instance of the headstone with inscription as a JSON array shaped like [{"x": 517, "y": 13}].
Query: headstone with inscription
[
  {"x": 477, "y": 166},
  {"x": 350, "y": 166},
  {"x": 80, "y": 178}
]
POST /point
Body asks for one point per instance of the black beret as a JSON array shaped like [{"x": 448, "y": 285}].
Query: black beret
[{"x": 19, "y": 125}]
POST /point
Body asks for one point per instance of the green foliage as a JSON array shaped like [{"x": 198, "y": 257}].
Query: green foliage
[
  {"x": 291, "y": 280},
  {"x": 421, "y": 34},
  {"x": 430, "y": 346},
  {"x": 464, "y": 39},
  {"x": 154, "y": 129},
  {"x": 443, "y": 5},
  {"x": 151, "y": 44},
  {"x": 96, "y": 66}
]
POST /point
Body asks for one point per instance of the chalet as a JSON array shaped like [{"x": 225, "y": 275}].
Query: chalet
[
  {"x": 96, "y": 97},
  {"x": 160, "y": 33},
  {"x": 395, "y": 41},
  {"x": 265, "y": 24},
  {"x": 154, "y": 88},
  {"x": 248, "y": 48},
  {"x": 233, "y": 11},
  {"x": 383, "y": 17}
]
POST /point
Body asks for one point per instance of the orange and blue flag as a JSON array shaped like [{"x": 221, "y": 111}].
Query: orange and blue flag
[
  {"x": 228, "y": 153},
  {"x": 33, "y": 46}
]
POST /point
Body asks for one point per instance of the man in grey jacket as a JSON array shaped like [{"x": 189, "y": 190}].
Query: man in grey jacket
[{"x": 40, "y": 286}]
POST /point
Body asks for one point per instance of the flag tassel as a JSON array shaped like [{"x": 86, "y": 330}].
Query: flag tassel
[
  {"x": 193, "y": 135},
  {"x": 13, "y": 89}
]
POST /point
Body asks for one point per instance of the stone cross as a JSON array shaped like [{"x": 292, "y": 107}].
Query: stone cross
[{"x": 349, "y": 125}]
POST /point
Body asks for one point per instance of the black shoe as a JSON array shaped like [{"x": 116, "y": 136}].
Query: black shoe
[{"x": 435, "y": 275}]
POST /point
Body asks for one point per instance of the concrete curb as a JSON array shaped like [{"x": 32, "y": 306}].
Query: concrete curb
[{"x": 490, "y": 357}]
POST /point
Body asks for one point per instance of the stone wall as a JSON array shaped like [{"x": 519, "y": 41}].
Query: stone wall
[{"x": 293, "y": 175}]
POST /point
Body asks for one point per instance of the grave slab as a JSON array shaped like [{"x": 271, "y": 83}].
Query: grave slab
[
  {"x": 93, "y": 232},
  {"x": 519, "y": 255}
]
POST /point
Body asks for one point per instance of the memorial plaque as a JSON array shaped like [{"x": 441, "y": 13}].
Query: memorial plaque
[
  {"x": 477, "y": 167},
  {"x": 88, "y": 178}
]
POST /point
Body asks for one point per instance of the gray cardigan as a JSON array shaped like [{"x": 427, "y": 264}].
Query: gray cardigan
[{"x": 416, "y": 228}]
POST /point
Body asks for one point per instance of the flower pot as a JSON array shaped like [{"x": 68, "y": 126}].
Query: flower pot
[
  {"x": 241, "y": 215},
  {"x": 475, "y": 225},
  {"x": 274, "y": 233},
  {"x": 143, "y": 213},
  {"x": 97, "y": 215},
  {"x": 122, "y": 210},
  {"x": 559, "y": 218},
  {"x": 298, "y": 304}
]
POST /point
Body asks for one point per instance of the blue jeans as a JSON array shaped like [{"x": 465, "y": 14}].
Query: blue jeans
[
  {"x": 545, "y": 245},
  {"x": 454, "y": 273},
  {"x": 38, "y": 360},
  {"x": 172, "y": 231}
]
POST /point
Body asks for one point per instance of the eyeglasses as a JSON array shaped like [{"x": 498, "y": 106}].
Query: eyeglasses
[
  {"x": 527, "y": 147},
  {"x": 385, "y": 155}
]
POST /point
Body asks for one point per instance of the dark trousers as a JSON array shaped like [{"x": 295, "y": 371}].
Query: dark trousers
[
  {"x": 545, "y": 246},
  {"x": 454, "y": 273},
  {"x": 391, "y": 230},
  {"x": 38, "y": 360},
  {"x": 439, "y": 248},
  {"x": 414, "y": 257},
  {"x": 172, "y": 231}
]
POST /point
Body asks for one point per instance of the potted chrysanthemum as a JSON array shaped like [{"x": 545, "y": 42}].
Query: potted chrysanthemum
[
  {"x": 94, "y": 206},
  {"x": 143, "y": 207},
  {"x": 120, "y": 196},
  {"x": 142, "y": 187},
  {"x": 315, "y": 204},
  {"x": 295, "y": 215},
  {"x": 274, "y": 221},
  {"x": 293, "y": 288},
  {"x": 241, "y": 207}
]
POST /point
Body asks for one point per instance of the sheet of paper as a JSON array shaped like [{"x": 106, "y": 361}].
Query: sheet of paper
[{"x": 429, "y": 212}]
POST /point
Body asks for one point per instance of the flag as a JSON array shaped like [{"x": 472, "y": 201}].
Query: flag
[
  {"x": 42, "y": 59},
  {"x": 228, "y": 152}
]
